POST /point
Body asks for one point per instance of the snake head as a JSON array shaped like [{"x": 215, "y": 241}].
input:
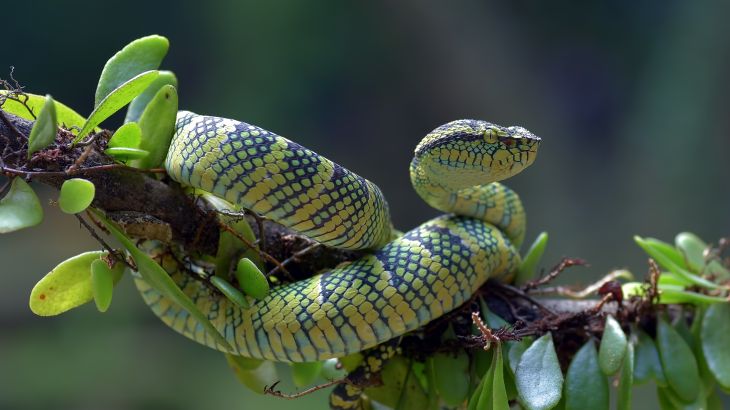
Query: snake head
[{"x": 466, "y": 153}]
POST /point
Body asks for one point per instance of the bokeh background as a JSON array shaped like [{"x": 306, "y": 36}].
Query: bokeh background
[{"x": 630, "y": 98}]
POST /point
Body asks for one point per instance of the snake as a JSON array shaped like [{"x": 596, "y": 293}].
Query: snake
[{"x": 401, "y": 283}]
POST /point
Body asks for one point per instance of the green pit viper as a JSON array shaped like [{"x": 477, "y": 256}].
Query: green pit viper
[{"x": 405, "y": 282}]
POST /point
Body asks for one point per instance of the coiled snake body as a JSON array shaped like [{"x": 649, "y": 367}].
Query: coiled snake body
[{"x": 402, "y": 284}]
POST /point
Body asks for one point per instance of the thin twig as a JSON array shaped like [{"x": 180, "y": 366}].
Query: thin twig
[
  {"x": 271, "y": 390},
  {"x": 554, "y": 272},
  {"x": 588, "y": 290},
  {"x": 296, "y": 255},
  {"x": 252, "y": 246},
  {"x": 103, "y": 243}
]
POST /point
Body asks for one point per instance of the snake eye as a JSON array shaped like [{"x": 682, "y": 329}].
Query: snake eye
[{"x": 490, "y": 136}]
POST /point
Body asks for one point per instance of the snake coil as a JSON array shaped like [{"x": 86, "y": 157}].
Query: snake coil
[{"x": 405, "y": 281}]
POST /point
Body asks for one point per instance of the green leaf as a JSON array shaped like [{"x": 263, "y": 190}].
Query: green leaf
[
  {"x": 124, "y": 153},
  {"x": 499, "y": 399},
  {"x": 68, "y": 285},
  {"x": 491, "y": 319},
  {"x": 647, "y": 364},
  {"x": 117, "y": 99},
  {"x": 256, "y": 379},
  {"x": 538, "y": 375},
  {"x": 678, "y": 362},
  {"x": 305, "y": 373},
  {"x": 230, "y": 247},
  {"x": 668, "y": 263},
  {"x": 102, "y": 284},
  {"x": 230, "y": 292},
  {"x": 516, "y": 351},
  {"x": 586, "y": 386},
  {"x": 64, "y": 115},
  {"x": 244, "y": 363},
  {"x": 76, "y": 195},
  {"x": 613, "y": 347},
  {"x": 531, "y": 259},
  {"x": 158, "y": 124},
  {"x": 401, "y": 389},
  {"x": 20, "y": 208},
  {"x": 158, "y": 278},
  {"x": 44, "y": 129},
  {"x": 668, "y": 296},
  {"x": 127, "y": 136},
  {"x": 676, "y": 403},
  {"x": 692, "y": 249},
  {"x": 332, "y": 370},
  {"x": 482, "y": 389},
  {"x": 251, "y": 280},
  {"x": 660, "y": 247},
  {"x": 715, "y": 339},
  {"x": 451, "y": 376},
  {"x": 142, "y": 54},
  {"x": 137, "y": 106},
  {"x": 626, "y": 379}
]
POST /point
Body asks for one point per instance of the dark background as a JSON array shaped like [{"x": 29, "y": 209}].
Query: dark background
[{"x": 630, "y": 98}]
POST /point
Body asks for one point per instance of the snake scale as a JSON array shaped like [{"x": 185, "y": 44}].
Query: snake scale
[{"x": 405, "y": 282}]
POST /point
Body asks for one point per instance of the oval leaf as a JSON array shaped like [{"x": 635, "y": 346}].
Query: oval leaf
[
  {"x": 401, "y": 389},
  {"x": 528, "y": 267},
  {"x": 142, "y": 54},
  {"x": 256, "y": 379},
  {"x": 244, "y": 363},
  {"x": 158, "y": 125},
  {"x": 117, "y": 99},
  {"x": 626, "y": 379},
  {"x": 332, "y": 370},
  {"x": 251, "y": 280},
  {"x": 20, "y": 208},
  {"x": 538, "y": 375},
  {"x": 305, "y": 373},
  {"x": 715, "y": 339},
  {"x": 128, "y": 135},
  {"x": 230, "y": 292},
  {"x": 137, "y": 106},
  {"x": 678, "y": 362},
  {"x": 586, "y": 387},
  {"x": 451, "y": 376},
  {"x": 613, "y": 347},
  {"x": 123, "y": 153},
  {"x": 102, "y": 284},
  {"x": 654, "y": 246},
  {"x": 68, "y": 285},
  {"x": 647, "y": 364},
  {"x": 65, "y": 116},
  {"x": 76, "y": 195},
  {"x": 692, "y": 248},
  {"x": 44, "y": 129}
]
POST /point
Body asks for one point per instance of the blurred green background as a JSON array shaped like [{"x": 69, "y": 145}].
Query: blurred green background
[{"x": 629, "y": 97}]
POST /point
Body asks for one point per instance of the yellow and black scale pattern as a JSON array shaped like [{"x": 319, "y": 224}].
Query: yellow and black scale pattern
[{"x": 403, "y": 284}]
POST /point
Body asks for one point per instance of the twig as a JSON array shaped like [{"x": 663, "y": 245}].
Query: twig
[
  {"x": 295, "y": 256},
  {"x": 588, "y": 290},
  {"x": 271, "y": 390},
  {"x": 103, "y": 243},
  {"x": 80, "y": 160},
  {"x": 554, "y": 272},
  {"x": 252, "y": 246}
]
